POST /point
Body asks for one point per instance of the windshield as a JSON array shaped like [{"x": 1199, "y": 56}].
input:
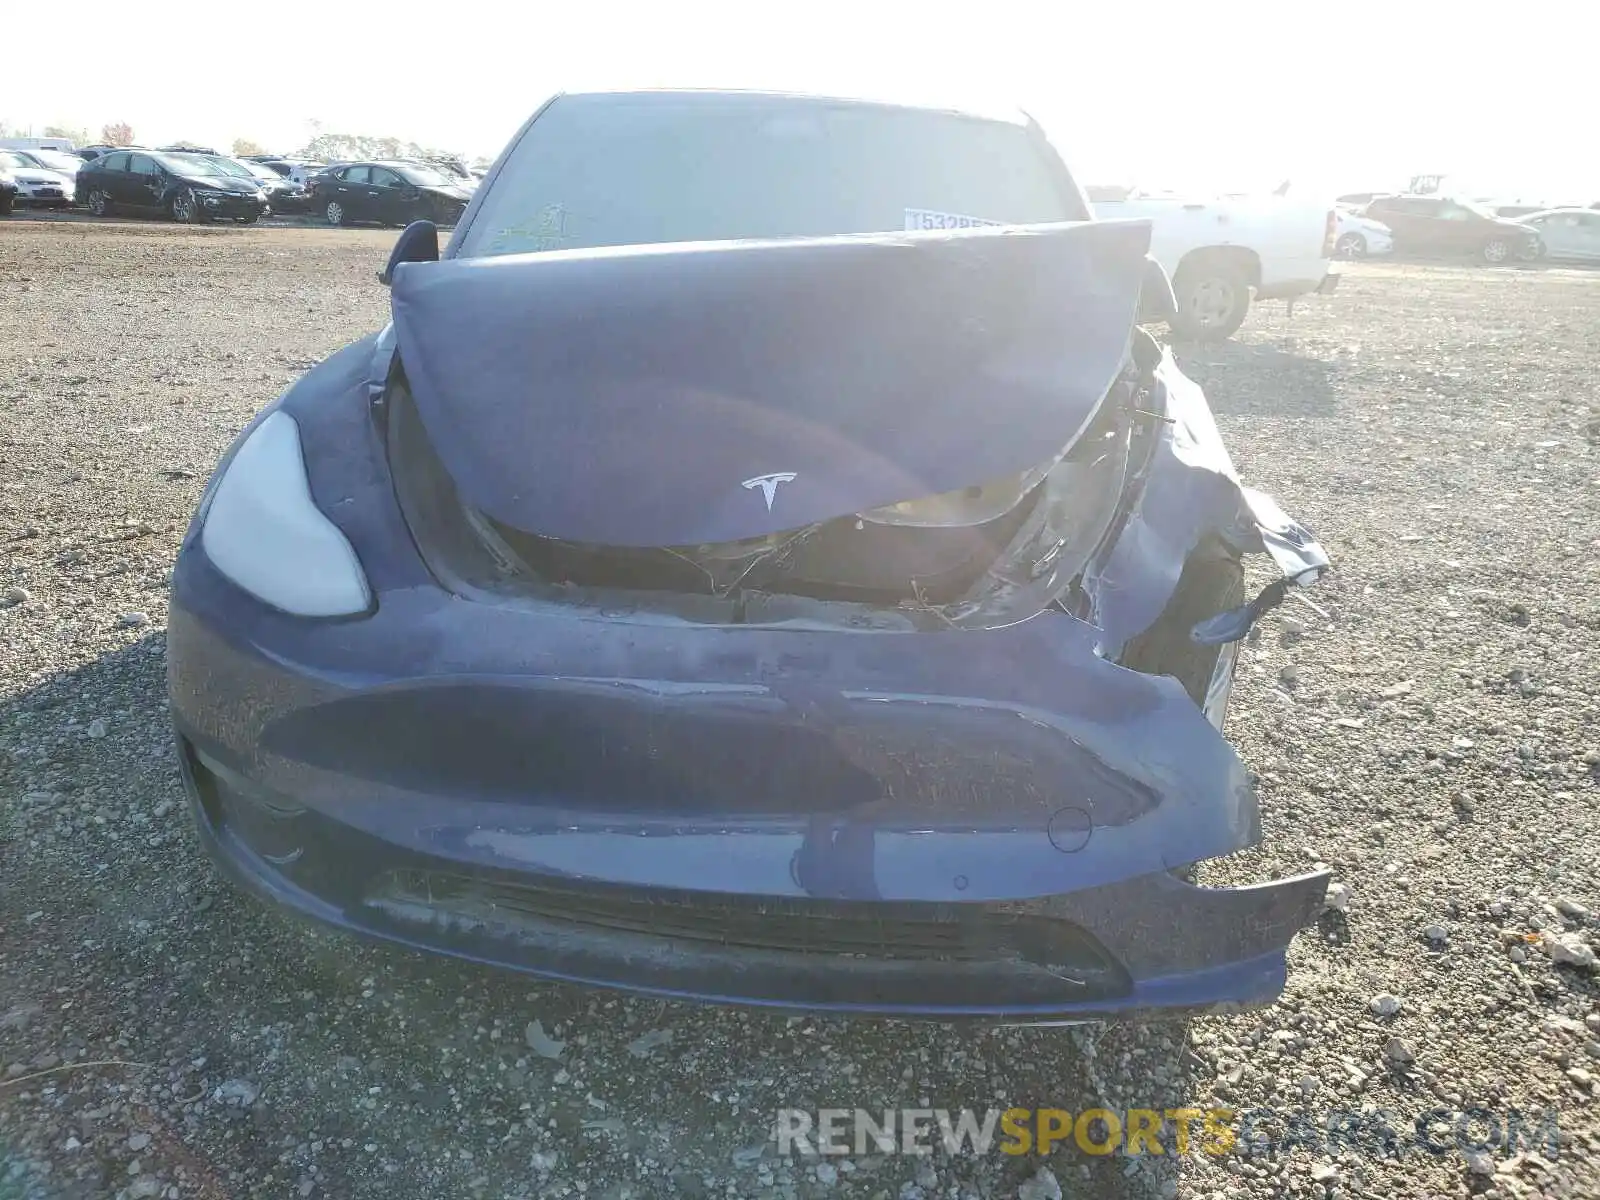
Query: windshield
[
  {"x": 190, "y": 164},
  {"x": 54, "y": 160},
  {"x": 229, "y": 167},
  {"x": 1473, "y": 206},
  {"x": 424, "y": 176},
  {"x": 258, "y": 171},
  {"x": 625, "y": 170},
  {"x": 13, "y": 160}
]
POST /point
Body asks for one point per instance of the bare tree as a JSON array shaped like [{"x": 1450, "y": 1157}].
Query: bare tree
[
  {"x": 244, "y": 146},
  {"x": 117, "y": 133}
]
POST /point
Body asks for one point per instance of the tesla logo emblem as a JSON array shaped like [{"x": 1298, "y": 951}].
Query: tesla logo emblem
[{"x": 769, "y": 484}]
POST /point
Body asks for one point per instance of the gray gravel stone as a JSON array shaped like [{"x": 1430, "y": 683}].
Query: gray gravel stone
[
  {"x": 1570, "y": 949},
  {"x": 1398, "y": 1050},
  {"x": 541, "y": 1043},
  {"x": 1042, "y": 1186},
  {"x": 1384, "y": 1004},
  {"x": 239, "y": 1093},
  {"x": 641, "y": 1047},
  {"x": 1338, "y": 896}
]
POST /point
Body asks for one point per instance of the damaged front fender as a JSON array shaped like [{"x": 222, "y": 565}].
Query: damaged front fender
[{"x": 1189, "y": 492}]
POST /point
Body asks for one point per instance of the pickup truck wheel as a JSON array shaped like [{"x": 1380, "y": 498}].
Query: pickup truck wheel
[
  {"x": 1496, "y": 250},
  {"x": 1213, "y": 297},
  {"x": 1351, "y": 245}
]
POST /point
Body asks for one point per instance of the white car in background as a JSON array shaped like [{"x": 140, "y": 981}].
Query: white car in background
[
  {"x": 1568, "y": 234},
  {"x": 37, "y": 187},
  {"x": 49, "y": 160},
  {"x": 1360, "y": 237},
  {"x": 1222, "y": 252}
]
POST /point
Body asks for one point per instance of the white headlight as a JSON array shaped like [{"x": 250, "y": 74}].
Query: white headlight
[{"x": 264, "y": 531}]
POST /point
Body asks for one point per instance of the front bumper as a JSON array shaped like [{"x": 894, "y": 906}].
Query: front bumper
[
  {"x": 45, "y": 197},
  {"x": 974, "y": 824},
  {"x": 232, "y": 206}
]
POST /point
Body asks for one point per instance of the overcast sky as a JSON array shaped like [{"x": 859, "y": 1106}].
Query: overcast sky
[{"x": 1341, "y": 96}]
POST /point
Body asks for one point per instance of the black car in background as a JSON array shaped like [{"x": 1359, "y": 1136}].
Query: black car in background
[
  {"x": 8, "y": 191},
  {"x": 185, "y": 187},
  {"x": 283, "y": 195},
  {"x": 388, "y": 192},
  {"x": 1440, "y": 225}
]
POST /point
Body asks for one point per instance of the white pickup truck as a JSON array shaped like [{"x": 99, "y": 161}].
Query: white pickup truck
[{"x": 1221, "y": 251}]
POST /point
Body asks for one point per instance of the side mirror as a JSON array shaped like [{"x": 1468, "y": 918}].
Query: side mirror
[
  {"x": 418, "y": 242},
  {"x": 1156, "y": 299}
]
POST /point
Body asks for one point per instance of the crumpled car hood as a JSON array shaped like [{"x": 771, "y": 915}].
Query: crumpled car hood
[{"x": 638, "y": 396}]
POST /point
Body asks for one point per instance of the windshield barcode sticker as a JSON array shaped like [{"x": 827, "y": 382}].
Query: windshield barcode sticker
[{"x": 924, "y": 218}]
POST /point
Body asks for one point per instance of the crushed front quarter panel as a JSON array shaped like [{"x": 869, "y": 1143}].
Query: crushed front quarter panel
[{"x": 1189, "y": 490}]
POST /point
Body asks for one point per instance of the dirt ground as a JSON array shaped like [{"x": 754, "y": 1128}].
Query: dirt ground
[{"x": 1434, "y": 738}]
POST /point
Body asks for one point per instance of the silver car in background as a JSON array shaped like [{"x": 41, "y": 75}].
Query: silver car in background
[
  {"x": 1360, "y": 237},
  {"x": 59, "y": 161},
  {"x": 1568, "y": 234},
  {"x": 36, "y": 186}
]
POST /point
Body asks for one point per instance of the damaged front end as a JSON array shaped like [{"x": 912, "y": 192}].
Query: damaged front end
[
  {"x": 1090, "y": 477},
  {"x": 832, "y": 625}
]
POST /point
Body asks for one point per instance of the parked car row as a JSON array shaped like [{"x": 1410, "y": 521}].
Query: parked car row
[
  {"x": 1429, "y": 225},
  {"x": 197, "y": 185},
  {"x": 185, "y": 187}
]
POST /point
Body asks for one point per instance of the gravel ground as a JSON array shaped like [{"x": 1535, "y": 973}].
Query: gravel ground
[{"x": 1434, "y": 739}]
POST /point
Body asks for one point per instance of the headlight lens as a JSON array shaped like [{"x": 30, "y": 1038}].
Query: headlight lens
[{"x": 264, "y": 531}]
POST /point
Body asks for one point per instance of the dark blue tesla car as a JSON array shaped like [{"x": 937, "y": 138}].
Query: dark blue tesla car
[{"x": 764, "y": 560}]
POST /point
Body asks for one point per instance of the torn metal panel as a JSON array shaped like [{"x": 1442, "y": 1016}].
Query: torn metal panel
[{"x": 1189, "y": 491}]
